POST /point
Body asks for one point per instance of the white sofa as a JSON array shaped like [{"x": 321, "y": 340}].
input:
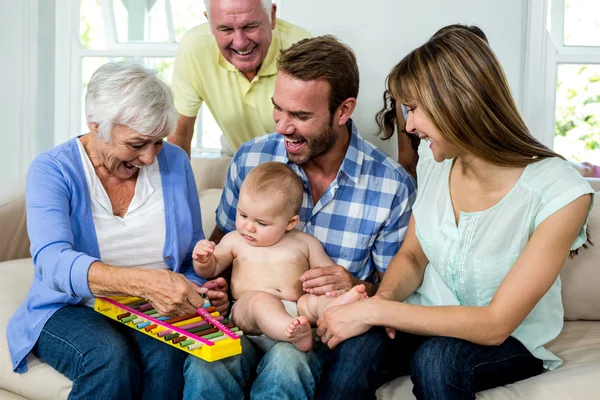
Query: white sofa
[{"x": 578, "y": 345}]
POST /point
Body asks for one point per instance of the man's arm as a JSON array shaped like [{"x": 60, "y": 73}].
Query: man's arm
[
  {"x": 184, "y": 133},
  {"x": 216, "y": 235}
]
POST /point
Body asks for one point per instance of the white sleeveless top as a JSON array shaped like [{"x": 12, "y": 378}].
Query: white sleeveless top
[
  {"x": 138, "y": 238},
  {"x": 468, "y": 262}
]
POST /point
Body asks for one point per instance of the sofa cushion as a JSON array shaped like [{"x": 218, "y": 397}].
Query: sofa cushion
[
  {"x": 580, "y": 276},
  {"x": 14, "y": 242},
  {"x": 4, "y": 395},
  {"x": 210, "y": 173},
  {"x": 209, "y": 200},
  {"x": 42, "y": 381}
]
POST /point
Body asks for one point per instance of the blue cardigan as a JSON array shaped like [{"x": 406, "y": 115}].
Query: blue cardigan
[{"x": 63, "y": 236}]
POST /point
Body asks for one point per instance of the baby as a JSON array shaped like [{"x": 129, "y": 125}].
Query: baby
[{"x": 268, "y": 257}]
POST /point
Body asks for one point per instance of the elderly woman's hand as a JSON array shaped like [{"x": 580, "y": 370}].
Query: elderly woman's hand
[
  {"x": 171, "y": 293},
  {"x": 216, "y": 291}
]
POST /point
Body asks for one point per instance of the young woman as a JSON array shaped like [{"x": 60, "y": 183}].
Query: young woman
[{"x": 496, "y": 215}]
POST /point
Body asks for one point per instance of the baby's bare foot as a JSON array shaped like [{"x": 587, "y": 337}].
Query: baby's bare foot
[
  {"x": 358, "y": 292},
  {"x": 300, "y": 333}
]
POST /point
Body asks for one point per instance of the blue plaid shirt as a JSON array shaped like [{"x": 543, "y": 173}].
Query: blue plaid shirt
[{"x": 362, "y": 217}]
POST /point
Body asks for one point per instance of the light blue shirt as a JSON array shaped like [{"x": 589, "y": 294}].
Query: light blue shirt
[
  {"x": 63, "y": 236},
  {"x": 362, "y": 217},
  {"x": 467, "y": 263}
]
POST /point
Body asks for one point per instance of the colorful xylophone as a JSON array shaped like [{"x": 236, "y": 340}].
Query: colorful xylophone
[{"x": 206, "y": 334}]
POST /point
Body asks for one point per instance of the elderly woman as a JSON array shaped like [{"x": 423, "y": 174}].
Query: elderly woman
[{"x": 112, "y": 212}]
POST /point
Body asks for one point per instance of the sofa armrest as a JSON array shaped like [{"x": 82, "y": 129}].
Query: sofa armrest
[
  {"x": 210, "y": 173},
  {"x": 14, "y": 241}
]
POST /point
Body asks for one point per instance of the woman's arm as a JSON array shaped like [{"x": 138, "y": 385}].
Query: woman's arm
[
  {"x": 405, "y": 273},
  {"x": 531, "y": 277},
  {"x": 170, "y": 293}
]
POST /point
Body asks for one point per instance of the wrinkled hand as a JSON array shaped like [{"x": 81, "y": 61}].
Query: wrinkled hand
[
  {"x": 203, "y": 251},
  {"x": 331, "y": 281},
  {"x": 171, "y": 293},
  {"x": 216, "y": 291},
  {"x": 343, "y": 322}
]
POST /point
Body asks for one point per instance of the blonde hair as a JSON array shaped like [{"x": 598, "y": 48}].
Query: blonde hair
[
  {"x": 458, "y": 83},
  {"x": 278, "y": 181}
]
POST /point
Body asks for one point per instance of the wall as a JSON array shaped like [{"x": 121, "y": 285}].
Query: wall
[
  {"x": 26, "y": 85},
  {"x": 13, "y": 99},
  {"x": 381, "y": 32}
]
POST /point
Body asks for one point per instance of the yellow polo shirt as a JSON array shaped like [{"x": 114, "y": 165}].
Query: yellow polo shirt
[{"x": 242, "y": 109}]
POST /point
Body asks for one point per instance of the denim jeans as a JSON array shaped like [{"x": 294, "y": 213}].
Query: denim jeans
[
  {"x": 107, "y": 360},
  {"x": 356, "y": 367},
  {"x": 284, "y": 372},
  {"x": 351, "y": 371},
  {"x": 449, "y": 368}
]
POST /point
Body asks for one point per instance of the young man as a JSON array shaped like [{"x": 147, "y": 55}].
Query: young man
[{"x": 357, "y": 203}]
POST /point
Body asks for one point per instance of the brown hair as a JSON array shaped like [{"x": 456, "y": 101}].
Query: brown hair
[
  {"x": 323, "y": 57},
  {"x": 471, "y": 28},
  {"x": 386, "y": 117},
  {"x": 459, "y": 84},
  {"x": 276, "y": 180}
]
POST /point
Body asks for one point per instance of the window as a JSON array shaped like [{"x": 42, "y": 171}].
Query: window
[
  {"x": 574, "y": 27},
  {"x": 93, "y": 32}
]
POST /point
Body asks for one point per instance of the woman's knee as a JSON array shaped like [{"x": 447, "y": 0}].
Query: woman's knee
[
  {"x": 114, "y": 356},
  {"x": 438, "y": 365}
]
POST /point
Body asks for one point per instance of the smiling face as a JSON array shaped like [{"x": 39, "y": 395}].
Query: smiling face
[
  {"x": 127, "y": 152},
  {"x": 419, "y": 124},
  {"x": 262, "y": 220},
  {"x": 243, "y": 33},
  {"x": 301, "y": 114}
]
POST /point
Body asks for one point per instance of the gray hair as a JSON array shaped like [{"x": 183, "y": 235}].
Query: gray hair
[
  {"x": 267, "y": 5},
  {"x": 129, "y": 94}
]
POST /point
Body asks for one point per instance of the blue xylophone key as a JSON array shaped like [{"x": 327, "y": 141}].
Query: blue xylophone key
[{"x": 144, "y": 324}]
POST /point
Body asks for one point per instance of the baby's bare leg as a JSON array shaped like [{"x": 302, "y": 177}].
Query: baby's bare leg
[
  {"x": 314, "y": 306},
  {"x": 261, "y": 312}
]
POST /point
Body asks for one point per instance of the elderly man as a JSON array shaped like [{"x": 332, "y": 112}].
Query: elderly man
[
  {"x": 230, "y": 63},
  {"x": 357, "y": 203}
]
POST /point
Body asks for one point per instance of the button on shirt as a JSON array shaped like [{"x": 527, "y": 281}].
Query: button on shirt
[
  {"x": 242, "y": 108},
  {"x": 362, "y": 217},
  {"x": 468, "y": 262}
]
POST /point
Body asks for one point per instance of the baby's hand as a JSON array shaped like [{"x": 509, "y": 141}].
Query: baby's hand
[{"x": 203, "y": 251}]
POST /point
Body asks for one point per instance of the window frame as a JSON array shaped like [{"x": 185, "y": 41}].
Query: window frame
[
  {"x": 69, "y": 63},
  {"x": 546, "y": 43}
]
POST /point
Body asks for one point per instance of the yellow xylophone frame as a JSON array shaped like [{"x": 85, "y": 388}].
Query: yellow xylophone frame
[{"x": 209, "y": 351}]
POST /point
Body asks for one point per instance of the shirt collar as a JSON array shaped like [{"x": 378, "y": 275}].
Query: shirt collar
[
  {"x": 269, "y": 64},
  {"x": 353, "y": 160}
]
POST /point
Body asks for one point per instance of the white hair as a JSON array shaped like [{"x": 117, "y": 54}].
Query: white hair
[
  {"x": 129, "y": 94},
  {"x": 267, "y": 5}
]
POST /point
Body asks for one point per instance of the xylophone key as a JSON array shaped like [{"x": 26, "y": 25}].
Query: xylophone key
[
  {"x": 144, "y": 324},
  {"x": 124, "y": 315},
  {"x": 164, "y": 333},
  {"x": 179, "y": 339}
]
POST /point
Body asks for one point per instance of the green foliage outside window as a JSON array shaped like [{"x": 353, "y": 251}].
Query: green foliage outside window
[{"x": 577, "y": 129}]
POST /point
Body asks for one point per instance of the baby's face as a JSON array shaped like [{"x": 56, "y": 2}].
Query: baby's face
[{"x": 263, "y": 221}]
